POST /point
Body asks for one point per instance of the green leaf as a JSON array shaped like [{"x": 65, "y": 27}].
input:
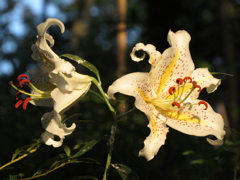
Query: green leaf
[
  {"x": 84, "y": 177},
  {"x": 85, "y": 63},
  {"x": 135, "y": 163},
  {"x": 97, "y": 94},
  {"x": 67, "y": 150},
  {"x": 187, "y": 152},
  {"x": 15, "y": 177},
  {"x": 221, "y": 73},
  {"x": 122, "y": 170},
  {"x": 88, "y": 146},
  {"x": 17, "y": 152},
  {"x": 70, "y": 117}
]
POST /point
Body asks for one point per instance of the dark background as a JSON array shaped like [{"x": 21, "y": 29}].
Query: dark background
[{"x": 91, "y": 32}]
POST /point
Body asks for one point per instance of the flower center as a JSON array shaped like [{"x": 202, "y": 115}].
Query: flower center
[
  {"x": 179, "y": 93},
  {"x": 23, "y": 80}
]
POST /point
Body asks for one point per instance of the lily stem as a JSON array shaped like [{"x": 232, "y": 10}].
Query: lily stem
[
  {"x": 111, "y": 142},
  {"x": 103, "y": 94}
]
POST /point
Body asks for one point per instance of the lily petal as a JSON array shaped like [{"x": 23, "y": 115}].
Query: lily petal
[
  {"x": 42, "y": 52},
  {"x": 156, "y": 138},
  {"x": 41, "y": 82},
  {"x": 197, "y": 121},
  {"x": 51, "y": 122},
  {"x": 65, "y": 100},
  {"x": 176, "y": 63},
  {"x": 134, "y": 84},
  {"x": 150, "y": 49},
  {"x": 67, "y": 83},
  {"x": 205, "y": 79},
  {"x": 48, "y": 139}
]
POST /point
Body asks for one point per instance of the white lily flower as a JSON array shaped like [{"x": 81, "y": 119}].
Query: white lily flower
[
  {"x": 55, "y": 83},
  {"x": 168, "y": 94}
]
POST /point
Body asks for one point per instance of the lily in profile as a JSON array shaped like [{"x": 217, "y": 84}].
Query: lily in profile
[
  {"x": 55, "y": 83},
  {"x": 168, "y": 94}
]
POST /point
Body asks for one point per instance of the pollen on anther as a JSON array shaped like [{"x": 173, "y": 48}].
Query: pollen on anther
[
  {"x": 199, "y": 87},
  {"x": 187, "y": 78},
  {"x": 179, "y": 81},
  {"x": 176, "y": 104},
  {"x": 204, "y": 103},
  {"x": 171, "y": 90}
]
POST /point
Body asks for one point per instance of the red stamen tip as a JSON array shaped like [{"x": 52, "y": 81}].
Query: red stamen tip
[
  {"x": 176, "y": 104},
  {"x": 179, "y": 81},
  {"x": 25, "y": 103},
  {"x": 194, "y": 83},
  {"x": 22, "y": 76},
  {"x": 18, "y": 103},
  {"x": 204, "y": 103},
  {"x": 199, "y": 87},
  {"x": 171, "y": 90},
  {"x": 20, "y": 83},
  {"x": 187, "y": 78}
]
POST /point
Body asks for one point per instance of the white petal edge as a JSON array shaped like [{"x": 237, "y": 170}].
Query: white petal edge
[
  {"x": 150, "y": 49},
  {"x": 48, "y": 139},
  {"x": 51, "y": 122}
]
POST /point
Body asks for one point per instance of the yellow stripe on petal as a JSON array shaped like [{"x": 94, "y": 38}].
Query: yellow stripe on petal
[
  {"x": 153, "y": 129},
  {"x": 183, "y": 117},
  {"x": 169, "y": 70}
]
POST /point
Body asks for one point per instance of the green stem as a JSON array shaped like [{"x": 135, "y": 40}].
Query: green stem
[
  {"x": 125, "y": 113},
  {"x": 103, "y": 94},
  {"x": 111, "y": 142}
]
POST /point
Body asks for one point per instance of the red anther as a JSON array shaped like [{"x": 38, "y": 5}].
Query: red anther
[
  {"x": 205, "y": 103},
  {"x": 17, "y": 95},
  {"x": 10, "y": 82},
  {"x": 20, "y": 83},
  {"x": 199, "y": 87},
  {"x": 179, "y": 81},
  {"x": 171, "y": 90},
  {"x": 18, "y": 103},
  {"x": 25, "y": 103},
  {"x": 176, "y": 104},
  {"x": 194, "y": 83},
  {"x": 187, "y": 78},
  {"x": 22, "y": 76}
]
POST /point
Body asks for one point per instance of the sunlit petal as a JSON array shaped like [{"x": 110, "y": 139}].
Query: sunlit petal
[
  {"x": 156, "y": 139},
  {"x": 197, "y": 120},
  {"x": 48, "y": 139}
]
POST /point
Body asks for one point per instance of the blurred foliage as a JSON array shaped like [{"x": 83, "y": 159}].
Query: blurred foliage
[{"x": 91, "y": 34}]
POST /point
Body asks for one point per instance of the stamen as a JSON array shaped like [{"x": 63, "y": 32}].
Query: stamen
[
  {"x": 194, "y": 83},
  {"x": 179, "y": 81},
  {"x": 17, "y": 95},
  {"x": 199, "y": 87},
  {"x": 18, "y": 103},
  {"x": 176, "y": 104},
  {"x": 187, "y": 78},
  {"x": 171, "y": 90},
  {"x": 204, "y": 103},
  {"x": 22, "y": 76},
  {"x": 25, "y": 103},
  {"x": 20, "y": 83}
]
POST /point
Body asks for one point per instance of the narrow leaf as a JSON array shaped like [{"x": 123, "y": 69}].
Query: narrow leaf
[
  {"x": 84, "y": 177},
  {"x": 85, "y": 63},
  {"x": 86, "y": 148},
  {"x": 67, "y": 150},
  {"x": 122, "y": 170}
]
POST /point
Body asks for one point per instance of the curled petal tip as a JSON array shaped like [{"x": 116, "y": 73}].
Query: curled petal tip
[
  {"x": 217, "y": 142},
  {"x": 42, "y": 28}
]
